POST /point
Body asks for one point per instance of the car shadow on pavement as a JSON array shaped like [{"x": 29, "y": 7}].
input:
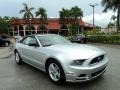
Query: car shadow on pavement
[{"x": 68, "y": 85}]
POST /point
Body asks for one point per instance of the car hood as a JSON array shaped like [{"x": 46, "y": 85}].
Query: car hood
[{"x": 78, "y": 51}]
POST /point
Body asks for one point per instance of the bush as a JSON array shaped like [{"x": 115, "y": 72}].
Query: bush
[{"x": 109, "y": 39}]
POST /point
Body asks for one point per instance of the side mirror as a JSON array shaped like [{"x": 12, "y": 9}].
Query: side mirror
[{"x": 33, "y": 44}]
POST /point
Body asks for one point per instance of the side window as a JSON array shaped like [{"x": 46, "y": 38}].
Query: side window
[
  {"x": 25, "y": 41},
  {"x": 30, "y": 40}
]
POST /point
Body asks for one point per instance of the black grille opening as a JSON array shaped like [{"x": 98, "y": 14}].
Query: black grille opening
[
  {"x": 97, "y": 59},
  {"x": 97, "y": 73},
  {"x": 82, "y": 75}
]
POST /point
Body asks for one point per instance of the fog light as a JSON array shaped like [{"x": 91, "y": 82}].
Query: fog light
[{"x": 71, "y": 74}]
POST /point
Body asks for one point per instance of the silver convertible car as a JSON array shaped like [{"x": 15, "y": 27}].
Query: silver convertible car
[{"x": 61, "y": 59}]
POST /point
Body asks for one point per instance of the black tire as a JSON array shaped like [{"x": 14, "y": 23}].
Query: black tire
[
  {"x": 18, "y": 59},
  {"x": 62, "y": 79},
  {"x": 82, "y": 41}
]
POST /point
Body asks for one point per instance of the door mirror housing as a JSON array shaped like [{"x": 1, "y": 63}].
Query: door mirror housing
[{"x": 33, "y": 44}]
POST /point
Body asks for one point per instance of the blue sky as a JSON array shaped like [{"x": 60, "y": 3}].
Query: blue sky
[{"x": 12, "y": 8}]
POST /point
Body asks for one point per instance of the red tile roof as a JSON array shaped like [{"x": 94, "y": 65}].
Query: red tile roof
[
  {"x": 52, "y": 23},
  {"x": 81, "y": 23}
]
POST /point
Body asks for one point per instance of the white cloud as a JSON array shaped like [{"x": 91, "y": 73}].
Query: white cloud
[
  {"x": 100, "y": 19},
  {"x": 51, "y": 17}
]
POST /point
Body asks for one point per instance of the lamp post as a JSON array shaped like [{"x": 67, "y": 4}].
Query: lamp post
[{"x": 93, "y": 6}]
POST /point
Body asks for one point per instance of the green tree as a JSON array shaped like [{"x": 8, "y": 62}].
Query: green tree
[
  {"x": 4, "y": 26},
  {"x": 113, "y": 18},
  {"x": 27, "y": 14},
  {"x": 71, "y": 17},
  {"x": 41, "y": 12},
  {"x": 110, "y": 25},
  {"x": 76, "y": 13},
  {"x": 74, "y": 29},
  {"x": 13, "y": 18},
  {"x": 113, "y": 5},
  {"x": 6, "y": 18},
  {"x": 65, "y": 18},
  {"x": 64, "y": 15}
]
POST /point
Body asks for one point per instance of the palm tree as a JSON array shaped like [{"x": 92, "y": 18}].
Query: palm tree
[
  {"x": 13, "y": 18},
  {"x": 113, "y": 5},
  {"x": 27, "y": 13},
  {"x": 76, "y": 13},
  {"x": 71, "y": 16},
  {"x": 4, "y": 25},
  {"x": 64, "y": 16},
  {"x": 113, "y": 20},
  {"x": 42, "y": 13},
  {"x": 6, "y": 18},
  {"x": 110, "y": 25}
]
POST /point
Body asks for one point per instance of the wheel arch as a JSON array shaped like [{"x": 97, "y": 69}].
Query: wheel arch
[
  {"x": 63, "y": 74},
  {"x": 51, "y": 59},
  {"x": 15, "y": 50}
]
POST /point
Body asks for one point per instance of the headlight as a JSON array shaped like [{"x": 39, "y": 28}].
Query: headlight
[{"x": 78, "y": 62}]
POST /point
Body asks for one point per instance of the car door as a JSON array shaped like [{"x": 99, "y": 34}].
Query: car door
[
  {"x": 30, "y": 51},
  {"x": 23, "y": 47}
]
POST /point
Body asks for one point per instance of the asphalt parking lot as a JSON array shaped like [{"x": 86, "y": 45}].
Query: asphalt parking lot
[{"x": 25, "y": 77}]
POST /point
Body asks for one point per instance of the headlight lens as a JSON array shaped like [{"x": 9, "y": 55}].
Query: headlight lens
[{"x": 78, "y": 62}]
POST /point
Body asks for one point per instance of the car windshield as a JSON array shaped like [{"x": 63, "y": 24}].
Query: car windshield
[
  {"x": 48, "y": 40},
  {"x": 80, "y": 35}
]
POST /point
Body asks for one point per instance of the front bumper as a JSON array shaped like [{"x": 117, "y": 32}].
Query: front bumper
[{"x": 83, "y": 74}]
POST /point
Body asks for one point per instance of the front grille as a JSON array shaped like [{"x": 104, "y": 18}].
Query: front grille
[
  {"x": 97, "y": 73},
  {"x": 82, "y": 75},
  {"x": 97, "y": 59}
]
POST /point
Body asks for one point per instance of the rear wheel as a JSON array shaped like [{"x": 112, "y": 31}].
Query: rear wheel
[
  {"x": 55, "y": 72},
  {"x": 18, "y": 58}
]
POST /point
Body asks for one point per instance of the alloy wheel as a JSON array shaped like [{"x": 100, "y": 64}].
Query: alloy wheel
[
  {"x": 54, "y": 72},
  {"x": 17, "y": 58}
]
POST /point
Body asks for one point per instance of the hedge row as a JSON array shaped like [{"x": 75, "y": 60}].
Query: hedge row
[{"x": 108, "y": 39}]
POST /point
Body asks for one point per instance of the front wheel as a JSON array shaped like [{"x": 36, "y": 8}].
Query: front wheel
[
  {"x": 56, "y": 72},
  {"x": 18, "y": 58}
]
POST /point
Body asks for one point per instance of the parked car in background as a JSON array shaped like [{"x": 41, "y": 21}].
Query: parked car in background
[
  {"x": 4, "y": 41},
  {"x": 61, "y": 59},
  {"x": 80, "y": 38}
]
